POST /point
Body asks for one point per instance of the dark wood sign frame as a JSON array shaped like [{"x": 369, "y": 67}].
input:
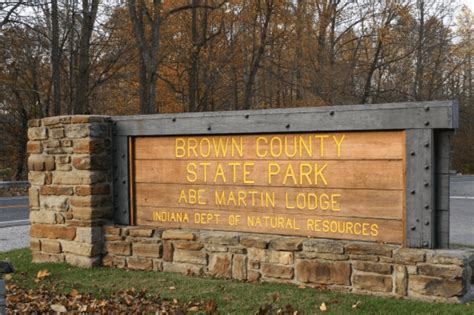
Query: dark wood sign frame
[{"x": 428, "y": 126}]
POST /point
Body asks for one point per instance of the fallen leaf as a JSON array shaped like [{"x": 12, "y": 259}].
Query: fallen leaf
[
  {"x": 74, "y": 293},
  {"x": 7, "y": 277},
  {"x": 58, "y": 308},
  {"x": 356, "y": 304},
  {"x": 172, "y": 288},
  {"x": 210, "y": 307},
  {"x": 193, "y": 309},
  {"x": 323, "y": 307},
  {"x": 302, "y": 286},
  {"x": 276, "y": 296},
  {"x": 43, "y": 273}
]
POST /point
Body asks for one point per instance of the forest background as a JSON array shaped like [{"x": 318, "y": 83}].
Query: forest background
[{"x": 125, "y": 57}]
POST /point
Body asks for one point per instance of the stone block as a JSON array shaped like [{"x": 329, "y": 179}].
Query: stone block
[
  {"x": 220, "y": 238},
  {"x": 372, "y": 267},
  {"x": 91, "y": 162},
  {"x": 56, "y": 120},
  {"x": 82, "y": 249},
  {"x": 140, "y": 263},
  {"x": 323, "y": 272},
  {"x": 430, "y": 286},
  {"x": 111, "y": 230},
  {"x": 273, "y": 257},
  {"x": 157, "y": 265},
  {"x": 239, "y": 267},
  {"x": 55, "y": 203},
  {"x": 38, "y": 133},
  {"x": 401, "y": 280},
  {"x": 216, "y": 248},
  {"x": 89, "y": 234},
  {"x": 178, "y": 235},
  {"x": 36, "y": 178},
  {"x": 253, "y": 241},
  {"x": 185, "y": 269},
  {"x": 52, "y": 232},
  {"x": 326, "y": 256},
  {"x": 35, "y": 244},
  {"x": 118, "y": 248},
  {"x": 168, "y": 251},
  {"x": 364, "y": 257},
  {"x": 220, "y": 265},
  {"x": 89, "y": 213},
  {"x": 56, "y": 133},
  {"x": 408, "y": 255},
  {"x": 83, "y": 119},
  {"x": 89, "y": 146},
  {"x": 188, "y": 245},
  {"x": 94, "y": 201},
  {"x": 82, "y": 261},
  {"x": 140, "y": 232},
  {"x": 40, "y": 257},
  {"x": 78, "y": 178},
  {"x": 37, "y": 162},
  {"x": 97, "y": 189},
  {"x": 191, "y": 257},
  {"x": 86, "y": 131},
  {"x": 34, "y": 147},
  {"x": 441, "y": 271},
  {"x": 33, "y": 197},
  {"x": 57, "y": 190},
  {"x": 287, "y": 243},
  {"x": 238, "y": 250},
  {"x": 323, "y": 246},
  {"x": 369, "y": 249},
  {"x": 253, "y": 276},
  {"x": 372, "y": 282},
  {"x": 277, "y": 271},
  {"x": 447, "y": 257},
  {"x": 51, "y": 247},
  {"x": 147, "y": 250}
]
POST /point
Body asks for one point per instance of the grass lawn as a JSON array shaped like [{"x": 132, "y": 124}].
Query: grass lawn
[{"x": 232, "y": 297}]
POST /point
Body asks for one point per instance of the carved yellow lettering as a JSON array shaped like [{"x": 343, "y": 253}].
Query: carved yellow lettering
[
  {"x": 234, "y": 170},
  {"x": 241, "y": 198},
  {"x": 205, "y": 143},
  {"x": 192, "y": 175},
  {"x": 321, "y": 143},
  {"x": 219, "y": 173},
  {"x": 290, "y": 173},
  {"x": 338, "y": 144},
  {"x": 192, "y": 146},
  {"x": 374, "y": 229},
  {"x": 318, "y": 173},
  {"x": 273, "y": 170},
  {"x": 237, "y": 147},
  {"x": 180, "y": 148},
  {"x": 278, "y": 146},
  {"x": 182, "y": 197},
  {"x": 219, "y": 200},
  {"x": 220, "y": 149},
  {"x": 287, "y": 145},
  {"x": 259, "y": 152},
  {"x": 305, "y": 171},
  {"x": 204, "y": 169},
  {"x": 334, "y": 203},
  {"x": 307, "y": 146},
  {"x": 247, "y": 172},
  {"x": 324, "y": 202}
]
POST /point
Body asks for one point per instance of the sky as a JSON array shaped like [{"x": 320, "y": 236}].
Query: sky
[{"x": 469, "y": 3}]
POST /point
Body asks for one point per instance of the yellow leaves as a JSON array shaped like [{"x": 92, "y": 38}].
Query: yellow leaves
[
  {"x": 356, "y": 304},
  {"x": 323, "y": 307},
  {"x": 42, "y": 274}
]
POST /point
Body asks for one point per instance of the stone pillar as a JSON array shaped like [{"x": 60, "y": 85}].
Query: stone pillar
[{"x": 70, "y": 171}]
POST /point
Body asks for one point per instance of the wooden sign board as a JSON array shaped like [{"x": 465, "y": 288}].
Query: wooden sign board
[{"x": 340, "y": 185}]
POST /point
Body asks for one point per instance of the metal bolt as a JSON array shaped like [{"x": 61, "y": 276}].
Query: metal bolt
[
  {"x": 288, "y": 126},
  {"x": 425, "y": 244},
  {"x": 413, "y": 228},
  {"x": 209, "y": 128},
  {"x": 174, "y": 119},
  {"x": 427, "y": 222},
  {"x": 331, "y": 113},
  {"x": 427, "y": 167},
  {"x": 123, "y": 182},
  {"x": 427, "y": 108},
  {"x": 412, "y": 153},
  {"x": 412, "y": 192},
  {"x": 123, "y": 156},
  {"x": 427, "y": 123},
  {"x": 427, "y": 206},
  {"x": 247, "y": 116},
  {"x": 427, "y": 144},
  {"x": 426, "y": 184}
]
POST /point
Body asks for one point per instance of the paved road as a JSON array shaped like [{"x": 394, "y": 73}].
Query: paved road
[
  {"x": 13, "y": 211},
  {"x": 14, "y": 216},
  {"x": 462, "y": 210}
]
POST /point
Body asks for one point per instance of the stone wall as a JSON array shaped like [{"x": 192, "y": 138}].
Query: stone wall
[
  {"x": 72, "y": 221},
  {"x": 13, "y": 189},
  {"x": 359, "y": 267},
  {"x": 70, "y": 195}
]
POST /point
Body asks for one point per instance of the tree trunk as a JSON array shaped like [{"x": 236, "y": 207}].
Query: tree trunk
[{"x": 55, "y": 109}]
